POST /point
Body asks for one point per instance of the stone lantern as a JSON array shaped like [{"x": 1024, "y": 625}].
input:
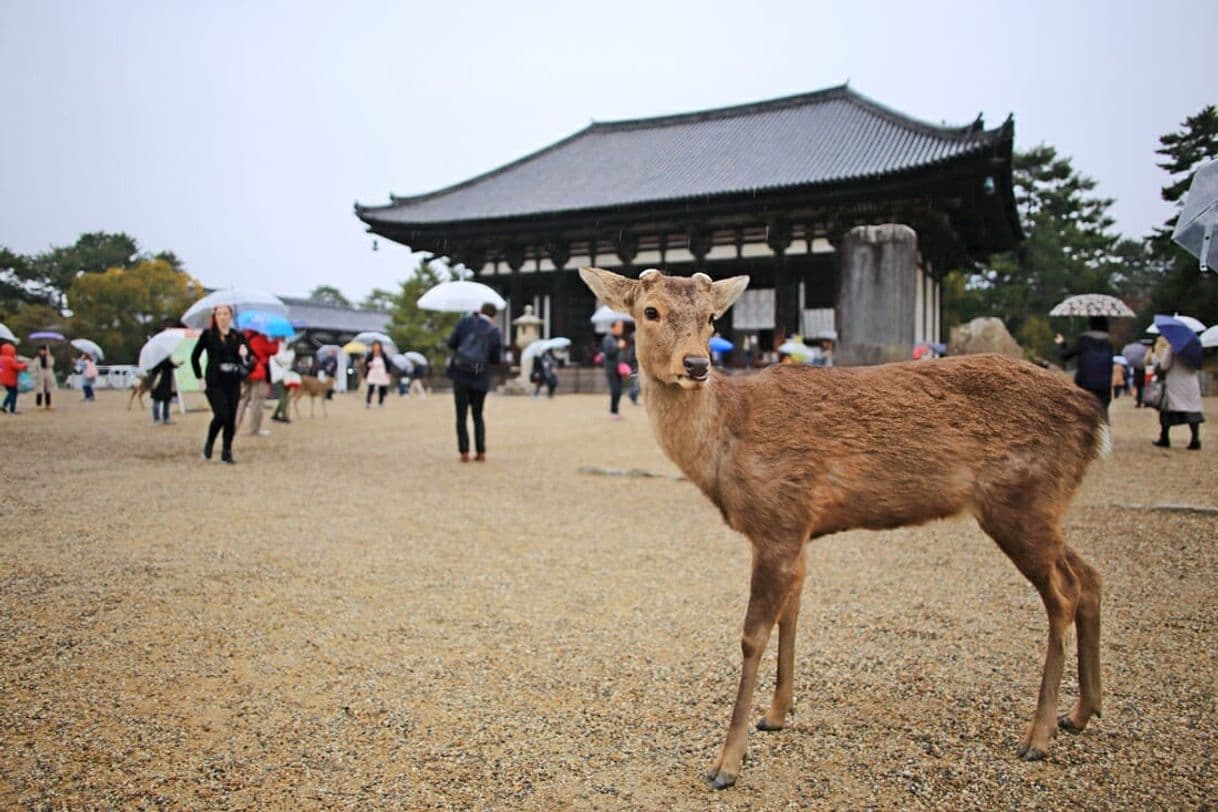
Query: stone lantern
[{"x": 528, "y": 329}]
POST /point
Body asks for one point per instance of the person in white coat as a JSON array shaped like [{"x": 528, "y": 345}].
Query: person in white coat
[
  {"x": 281, "y": 371},
  {"x": 1181, "y": 398}
]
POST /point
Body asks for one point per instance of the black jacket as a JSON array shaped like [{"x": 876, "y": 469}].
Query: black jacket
[
  {"x": 163, "y": 380},
  {"x": 475, "y": 321},
  {"x": 220, "y": 350}
]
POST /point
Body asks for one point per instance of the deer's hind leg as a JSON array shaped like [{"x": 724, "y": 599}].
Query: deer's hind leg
[
  {"x": 1087, "y": 623},
  {"x": 1035, "y": 545}
]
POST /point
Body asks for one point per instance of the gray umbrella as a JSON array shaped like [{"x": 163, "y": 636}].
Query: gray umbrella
[
  {"x": 1092, "y": 304},
  {"x": 1195, "y": 228}
]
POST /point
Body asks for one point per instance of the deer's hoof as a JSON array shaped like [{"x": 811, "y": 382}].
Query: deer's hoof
[
  {"x": 1032, "y": 754},
  {"x": 1065, "y": 724},
  {"x": 723, "y": 780},
  {"x": 765, "y": 724}
]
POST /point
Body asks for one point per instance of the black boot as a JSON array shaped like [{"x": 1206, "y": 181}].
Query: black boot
[
  {"x": 1195, "y": 445},
  {"x": 226, "y": 457},
  {"x": 1163, "y": 441},
  {"x": 207, "y": 451}
]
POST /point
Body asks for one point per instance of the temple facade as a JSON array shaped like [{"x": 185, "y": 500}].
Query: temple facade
[{"x": 844, "y": 213}]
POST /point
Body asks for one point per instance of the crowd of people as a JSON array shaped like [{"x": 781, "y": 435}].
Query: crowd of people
[{"x": 244, "y": 368}]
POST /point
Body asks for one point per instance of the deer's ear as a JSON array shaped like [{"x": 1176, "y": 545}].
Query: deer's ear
[
  {"x": 725, "y": 292},
  {"x": 613, "y": 289}
]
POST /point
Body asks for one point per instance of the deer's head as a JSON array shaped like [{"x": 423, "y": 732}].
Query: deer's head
[{"x": 674, "y": 318}]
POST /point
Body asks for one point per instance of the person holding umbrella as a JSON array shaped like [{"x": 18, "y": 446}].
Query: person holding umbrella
[
  {"x": 44, "y": 376},
  {"x": 477, "y": 343},
  {"x": 1094, "y": 353},
  {"x": 226, "y": 367},
  {"x": 1179, "y": 364}
]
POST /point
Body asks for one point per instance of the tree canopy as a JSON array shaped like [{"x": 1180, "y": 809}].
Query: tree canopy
[
  {"x": 328, "y": 294},
  {"x": 413, "y": 328},
  {"x": 121, "y": 307}
]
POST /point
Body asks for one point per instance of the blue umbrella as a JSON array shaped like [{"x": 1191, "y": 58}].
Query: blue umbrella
[
  {"x": 720, "y": 344},
  {"x": 46, "y": 335},
  {"x": 271, "y": 325},
  {"x": 1184, "y": 342}
]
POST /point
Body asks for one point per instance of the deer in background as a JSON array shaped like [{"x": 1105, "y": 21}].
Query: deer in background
[{"x": 873, "y": 447}]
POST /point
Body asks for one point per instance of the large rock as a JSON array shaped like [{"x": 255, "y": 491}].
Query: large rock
[{"x": 984, "y": 334}]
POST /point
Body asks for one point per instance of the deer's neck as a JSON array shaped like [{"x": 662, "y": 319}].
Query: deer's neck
[{"x": 688, "y": 425}]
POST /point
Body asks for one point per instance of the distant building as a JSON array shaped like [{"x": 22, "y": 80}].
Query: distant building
[
  {"x": 321, "y": 323},
  {"x": 774, "y": 190}
]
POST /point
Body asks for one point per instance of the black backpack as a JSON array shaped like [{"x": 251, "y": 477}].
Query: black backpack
[{"x": 475, "y": 348}]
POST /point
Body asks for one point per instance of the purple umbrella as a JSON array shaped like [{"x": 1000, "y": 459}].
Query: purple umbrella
[
  {"x": 1184, "y": 342},
  {"x": 46, "y": 335}
]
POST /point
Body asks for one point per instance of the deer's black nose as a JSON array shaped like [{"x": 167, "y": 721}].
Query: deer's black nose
[{"x": 696, "y": 366}]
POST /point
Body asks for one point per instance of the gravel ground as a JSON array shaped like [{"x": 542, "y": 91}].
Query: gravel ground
[{"x": 350, "y": 617}]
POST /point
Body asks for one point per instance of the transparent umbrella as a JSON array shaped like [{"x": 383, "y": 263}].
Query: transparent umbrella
[
  {"x": 460, "y": 297},
  {"x": 386, "y": 342},
  {"x": 7, "y": 335},
  {"x": 1195, "y": 227},
  {"x": 87, "y": 346},
  {"x": 161, "y": 346},
  {"x": 238, "y": 299},
  {"x": 416, "y": 357}
]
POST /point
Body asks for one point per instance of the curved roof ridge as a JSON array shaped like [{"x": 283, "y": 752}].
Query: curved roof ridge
[
  {"x": 730, "y": 111},
  {"x": 396, "y": 200}
]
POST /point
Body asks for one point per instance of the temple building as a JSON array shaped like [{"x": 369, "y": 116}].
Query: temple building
[{"x": 845, "y": 215}]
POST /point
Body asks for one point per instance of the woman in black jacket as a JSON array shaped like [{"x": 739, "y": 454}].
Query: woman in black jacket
[{"x": 226, "y": 353}]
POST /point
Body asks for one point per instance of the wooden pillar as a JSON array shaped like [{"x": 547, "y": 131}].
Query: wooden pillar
[
  {"x": 560, "y": 254},
  {"x": 787, "y": 307}
]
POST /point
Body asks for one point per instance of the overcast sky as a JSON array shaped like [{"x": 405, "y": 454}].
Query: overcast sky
[{"x": 239, "y": 134}]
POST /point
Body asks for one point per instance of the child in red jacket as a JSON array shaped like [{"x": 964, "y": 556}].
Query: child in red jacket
[{"x": 10, "y": 367}]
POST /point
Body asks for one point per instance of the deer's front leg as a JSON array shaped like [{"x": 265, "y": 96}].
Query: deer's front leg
[
  {"x": 784, "y": 687},
  {"x": 774, "y": 573}
]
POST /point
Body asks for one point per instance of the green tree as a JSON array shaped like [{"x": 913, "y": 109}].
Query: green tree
[
  {"x": 412, "y": 328},
  {"x": 379, "y": 299},
  {"x": 1070, "y": 248},
  {"x": 328, "y": 294},
  {"x": 121, "y": 307},
  {"x": 1180, "y": 286}
]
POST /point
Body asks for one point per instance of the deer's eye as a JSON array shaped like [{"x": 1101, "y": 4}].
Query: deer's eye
[{"x": 652, "y": 314}]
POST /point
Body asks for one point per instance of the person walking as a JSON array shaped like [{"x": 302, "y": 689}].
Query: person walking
[
  {"x": 88, "y": 376},
  {"x": 1135, "y": 353},
  {"x": 44, "y": 376},
  {"x": 254, "y": 389},
  {"x": 417, "y": 374},
  {"x": 613, "y": 358},
  {"x": 1181, "y": 398},
  {"x": 543, "y": 373},
  {"x": 376, "y": 373},
  {"x": 280, "y": 368},
  {"x": 1094, "y": 353},
  {"x": 162, "y": 390},
  {"x": 10, "y": 368},
  {"x": 227, "y": 355},
  {"x": 477, "y": 343}
]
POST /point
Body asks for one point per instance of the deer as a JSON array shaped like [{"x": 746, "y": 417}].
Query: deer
[
  {"x": 314, "y": 388},
  {"x": 795, "y": 453}
]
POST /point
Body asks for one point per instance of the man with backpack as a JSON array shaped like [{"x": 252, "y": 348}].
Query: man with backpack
[
  {"x": 1094, "y": 352},
  {"x": 477, "y": 344}
]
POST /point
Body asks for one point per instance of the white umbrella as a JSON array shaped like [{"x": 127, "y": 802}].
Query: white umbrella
[
  {"x": 417, "y": 357},
  {"x": 386, "y": 342},
  {"x": 236, "y": 298},
  {"x": 460, "y": 297},
  {"x": 87, "y": 346},
  {"x": 1210, "y": 337},
  {"x": 7, "y": 335},
  {"x": 161, "y": 346},
  {"x": 540, "y": 346},
  {"x": 1192, "y": 324},
  {"x": 604, "y": 317},
  {"x": 403, "y": 363},
  {"x": 1092, "y": 304},
  {"x": 794, "y": 348}
]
